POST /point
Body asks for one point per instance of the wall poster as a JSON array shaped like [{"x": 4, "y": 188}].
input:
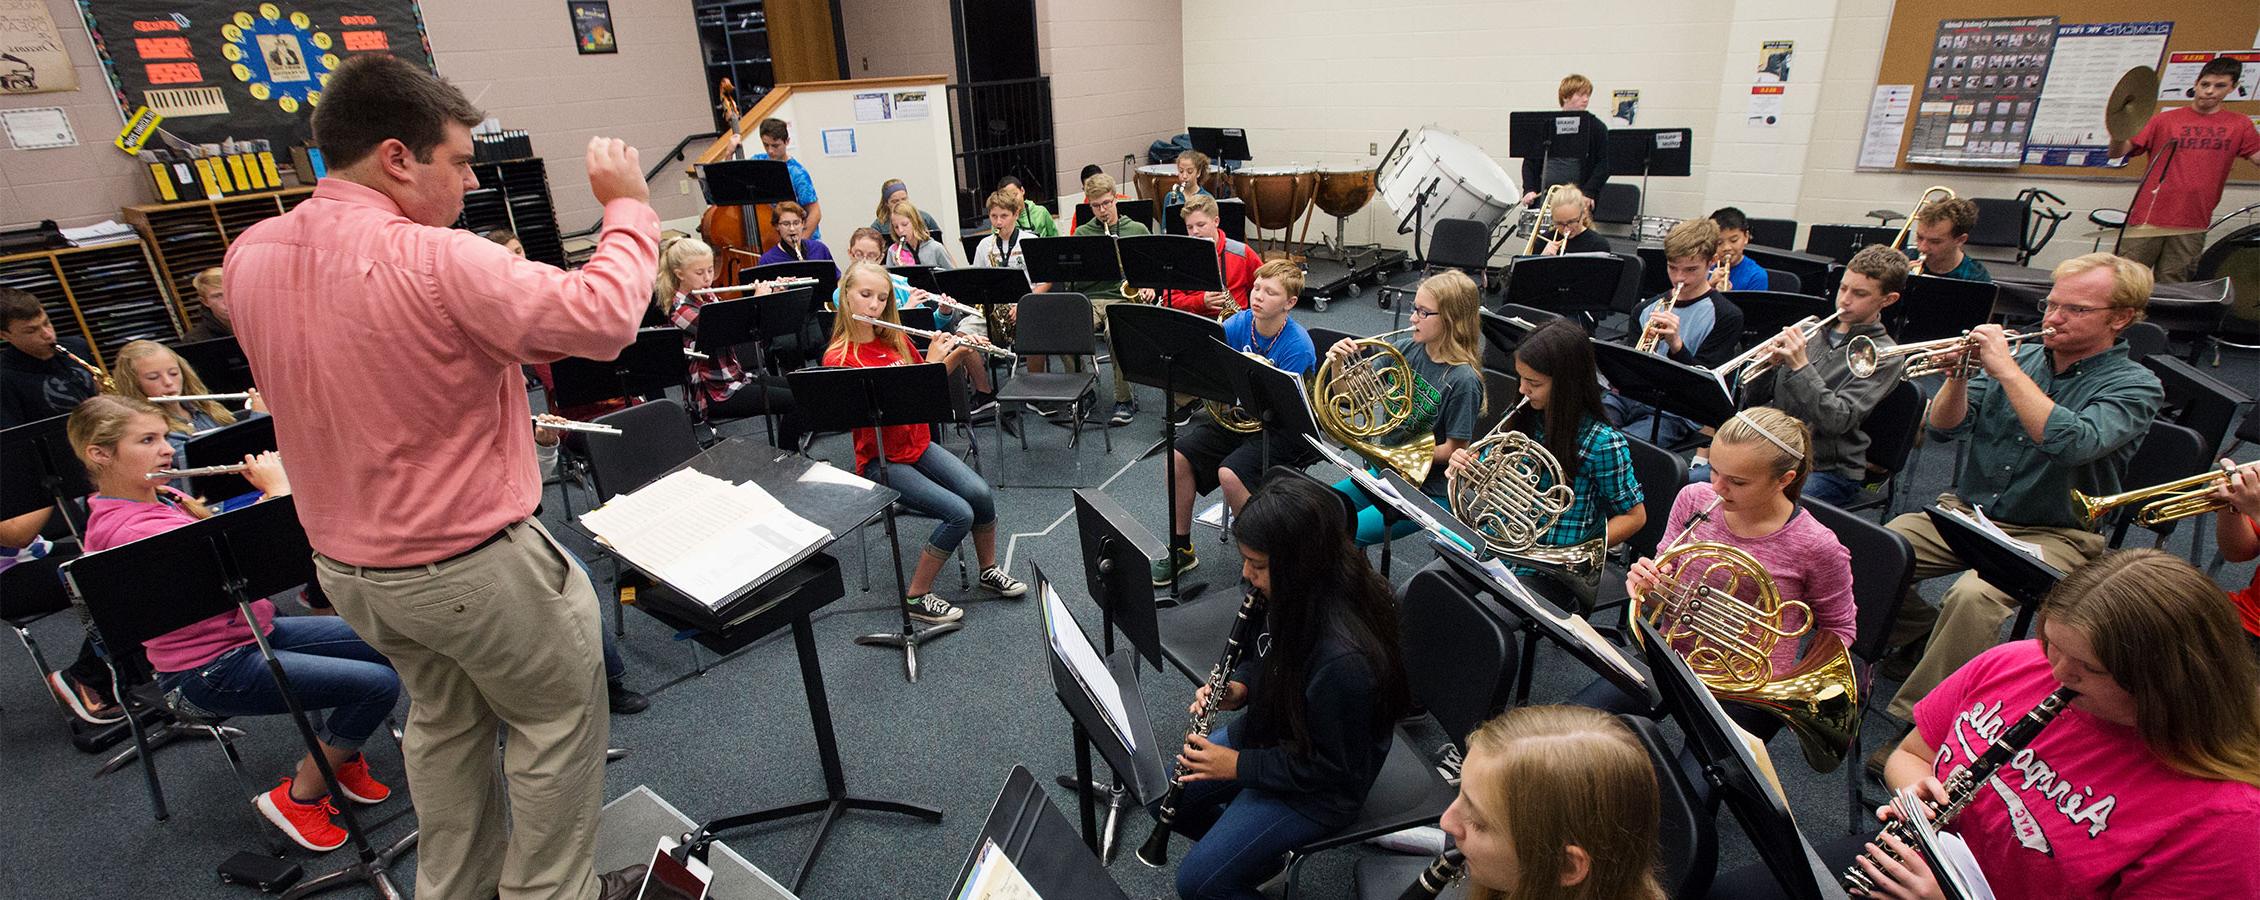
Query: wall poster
[
  {"x": 32, "y": 58},
  {"x": 220, "y": 69},
  {"x": 1980, "y": 90},
  {"x": 2067, "y": 128}
]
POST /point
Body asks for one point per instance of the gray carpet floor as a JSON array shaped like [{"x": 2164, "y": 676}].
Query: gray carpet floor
[{"x": 738, "y": 736}]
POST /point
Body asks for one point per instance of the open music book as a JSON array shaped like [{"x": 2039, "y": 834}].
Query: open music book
[
  {"x": 1950, "y": 860},
  {"x": 1089, "y": 669},
  {"x": 994, "y": 877},
  {"x": 1504, "y": 579},
  {"x": 1977, "y": 515},
  {"x": 704, "y": 536}
]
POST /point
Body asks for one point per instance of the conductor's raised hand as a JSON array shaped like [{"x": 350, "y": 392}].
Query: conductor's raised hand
[{"x": 616, "y": 171}]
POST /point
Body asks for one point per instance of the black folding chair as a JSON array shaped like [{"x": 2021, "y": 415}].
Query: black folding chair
[
  {"x": 1661, "y": 474},
  {"x": 1892, "y": 428},
  {"x": 1054, "y": 324},
  {"x": 1883, "y": 565}
]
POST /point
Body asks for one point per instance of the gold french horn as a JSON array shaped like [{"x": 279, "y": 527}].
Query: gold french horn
[
  {"x": 1231, "y": 417},
  {"x": 1498, "y": 494},
  {"x": 1359, "y": 401}
]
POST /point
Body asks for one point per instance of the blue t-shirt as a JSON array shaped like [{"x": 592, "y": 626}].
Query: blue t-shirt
[
  {"x": 804, "y": 187},
  {"x": 1291, "y": 350},
  {"x": 1747, "y": 275}
]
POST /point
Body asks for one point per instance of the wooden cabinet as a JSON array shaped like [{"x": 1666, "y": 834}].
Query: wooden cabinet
[
  {"x": 189, "y": 237},
  {"x": 107, "y": 295}
]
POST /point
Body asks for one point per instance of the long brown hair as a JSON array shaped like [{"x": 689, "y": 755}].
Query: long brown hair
[
  {"x": 1460, "y": 302},
  {"x": 843, "y": 318},
  {"x": 1563, "y": 776},
  {"x": 1561, "y": 350},
  {"x": 100, "y": 421},
  {"x": 2170, "y": 637},
  {"x": 128, "y": 381}
]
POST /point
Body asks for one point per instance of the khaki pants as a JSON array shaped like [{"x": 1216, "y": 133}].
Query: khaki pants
[
  {"x": 502, "y": 638},
  {"x": 2170, "y": 257},
  {"x": 1968, "y": 622}
]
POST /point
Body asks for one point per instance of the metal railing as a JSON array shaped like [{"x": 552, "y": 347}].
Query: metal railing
[{"x": 1003, "y": 128}]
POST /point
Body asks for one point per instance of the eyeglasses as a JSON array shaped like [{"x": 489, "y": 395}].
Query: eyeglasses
[
  {"x": 1419, "y": 313},
  {"x": 2047, "y": 306}
]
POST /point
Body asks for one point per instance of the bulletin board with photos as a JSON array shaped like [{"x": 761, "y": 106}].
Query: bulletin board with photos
[{"x": 2050, "y": 65}]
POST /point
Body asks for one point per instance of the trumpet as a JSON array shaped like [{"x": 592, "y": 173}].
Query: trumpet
[
  {"x": 985, "y": 349},
  {"x": 786, "y": 283},
  {"x": 570, "y": 425},
  {"x": 2162, "y": 503},
  {"x": 1649, "y": 336},
  {"x": 201, "y": 398},
  {"x": 1756, "y": 361},
  {"x": 1900, "y": 240},
  {"x": 198, "y": 472},
  {"x": 101, "y": 379},
  {"x": 1923, "y": 358}
]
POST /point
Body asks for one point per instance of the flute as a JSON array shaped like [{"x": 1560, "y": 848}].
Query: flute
[
  {"x": 570, "y": 425},
  {"x": 787, "y": 282},
  {"x": 200, "y": 398},
  {"x": 947, "y": 302},
  {"x": 200, "y": 471},
  {"x": 984, "y": 349}
]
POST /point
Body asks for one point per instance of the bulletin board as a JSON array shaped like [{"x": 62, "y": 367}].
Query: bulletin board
[
  {"x": 2198, "y": 25},
  {"x": 242, "y": 69}
]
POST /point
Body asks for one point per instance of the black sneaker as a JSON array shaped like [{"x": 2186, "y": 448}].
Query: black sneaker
[
  {"x": 1123, "y": 413},
  {"x": 1183, "y": 416},
  {"x": 993, "y": 578},
  {"x": 932, "y": 609},
  {"x": 624, "y": 702}
]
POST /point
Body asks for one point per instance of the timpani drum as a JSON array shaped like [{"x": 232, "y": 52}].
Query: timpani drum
[
  {"x": 1469, "y": 184},
  {"x": 1276, "y": 195},
  {"x": 1155, "y": 180},
  {"x": 1343, "y": 189}
]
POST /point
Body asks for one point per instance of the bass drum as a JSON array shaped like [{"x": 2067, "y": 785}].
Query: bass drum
[
  {"x": 1344, "y": 189},
  {"x": 1154, "y": 181},
  {"x": 1468, "y": 183},
  {"x": 1276, "y": 195}
]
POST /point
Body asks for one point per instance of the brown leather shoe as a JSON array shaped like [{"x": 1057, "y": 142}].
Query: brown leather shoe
[{"x": 620, "y": 884}]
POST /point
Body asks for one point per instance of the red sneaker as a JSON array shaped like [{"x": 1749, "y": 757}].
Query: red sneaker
[
  {"x": 353, "y": 779},
  {"x": 307, "y": 823}
]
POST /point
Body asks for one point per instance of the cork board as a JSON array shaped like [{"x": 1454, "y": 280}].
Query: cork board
[{"x": 2206, "y": 25}]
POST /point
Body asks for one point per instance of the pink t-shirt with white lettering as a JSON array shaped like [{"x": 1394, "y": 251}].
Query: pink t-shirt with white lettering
[{"x": 2085, "y": 810}]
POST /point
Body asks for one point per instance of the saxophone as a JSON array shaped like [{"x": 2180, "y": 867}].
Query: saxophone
[
  {"x": 1963, "y": 786},
  {"x": 1155, "y": 851},
  {"x": 101, "y": 379}
]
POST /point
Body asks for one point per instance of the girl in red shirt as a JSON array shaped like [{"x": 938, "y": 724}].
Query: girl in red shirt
[{"x": 932, "y": 480}]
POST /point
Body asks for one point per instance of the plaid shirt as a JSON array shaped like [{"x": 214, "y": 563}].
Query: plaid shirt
[
  {"x": 1605, "y": 487},
  {"x": 718, "y": 377}
]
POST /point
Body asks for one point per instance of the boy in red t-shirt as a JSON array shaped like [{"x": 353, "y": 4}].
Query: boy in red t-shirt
[
  {"x": 2238, "y": 530},
  {"x": 1238, "y": 262},
  {"x": 2196, "y": 145}
]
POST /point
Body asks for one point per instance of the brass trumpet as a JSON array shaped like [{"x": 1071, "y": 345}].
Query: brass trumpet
[
  {"x": 1370, "y": 395},
  {"x": 1923, "y": 358},
  {"x": 1649, "y": 336},
  {"x": 1900, "y": 240},
  {"x": 2162, "y": 503}
]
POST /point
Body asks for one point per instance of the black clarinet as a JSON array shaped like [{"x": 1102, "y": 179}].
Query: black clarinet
[
  {"x": 1439, "y": 875},
  {"x": 1155, "y": 851},
  {"x": 1963, "y": 786}
]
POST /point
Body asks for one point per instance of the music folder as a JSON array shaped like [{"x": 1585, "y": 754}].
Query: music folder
[
  {"x": 2001, "y": 560},
  {"x": 1048, "y": 858},
  {"x": 1399, "y": 499},
  {"x": 705, "y": 537}
]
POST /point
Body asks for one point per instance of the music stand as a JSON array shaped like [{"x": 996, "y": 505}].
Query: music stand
[
  {"x": 1931, "y": 307},
  {"x": 1072, "y": 260},
  {"x": 225, "y": 446},
  {"x": 738, "y": 182},
  {"x": 1170, "y": 349},
  {"x": 1735, "y": 773},
  {"x": 219, "y": 362},
  {"x": 1126, "y": 743},
  {"x": 213, "y": 567},
  {"x": 1273, "y": 397},
  {"x": 1542, "y": 619},
  {"x": 848, "y": 399},
  {"x": 1220, "y": 144},
  {"x": 1576, "y": 284},
  {"x": 38, "y": 469},
  {"x": 920, "y": 277},
  {"x": 1688, "y": 391},
  {"x": 647, "y": 367},
  {"x": 1141, "y": 210},
  {"x": 1036, "y": 838},
  {"x": 1669, "y": 152},
  {"x": 1116, "y": 548},
  {"x": 1502, "y": 333},
  {"x": 1811, "y": 269},
  {"x": 1840, "y": 242},
  {"x": 987, "y": 287},
  {"x": 2002, "y": 564},
  {"x": 1231, "y": 218}
]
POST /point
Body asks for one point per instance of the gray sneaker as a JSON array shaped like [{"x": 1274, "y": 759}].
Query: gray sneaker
[
  {"x": 932, "y": 609},
  {"x": 1123, "y": 413}
]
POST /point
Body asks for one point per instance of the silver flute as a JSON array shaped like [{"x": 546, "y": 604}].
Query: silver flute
[
  {"x": 787, "y": 282},
  {"x": 200, "y": 398},
  {"x": 570, "y": 425},
  {"x": 986, "y": 349},
  {"x": 198, "y": 472}
]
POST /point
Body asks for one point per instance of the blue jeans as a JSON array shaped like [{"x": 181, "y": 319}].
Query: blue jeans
[
  {"x": 1831, "y": 488},
  {"x": 1369, "y": 515},
  {"x": 1641, "y": 420},
  {"x": 1240, "y": 835},
  {"x": 329, "y": 667},
  {"x": 943, "y": 486},
  {"x": 615, "y": 669}
]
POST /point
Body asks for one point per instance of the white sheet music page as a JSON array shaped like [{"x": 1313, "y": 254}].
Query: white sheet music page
[
  {"x": 1083, "y": 660},
  {"x": 1987, "y": 525},
  {"x": 702, "y": 535},
  {"x": 994, "y": 877}
]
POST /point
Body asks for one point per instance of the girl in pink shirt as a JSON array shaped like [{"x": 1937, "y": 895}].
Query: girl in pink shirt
[{"x": 215, "y": 665}]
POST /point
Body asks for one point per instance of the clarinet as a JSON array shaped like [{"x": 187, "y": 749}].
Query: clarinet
[
  {"x": 1438, "y": 876},
  {"x": 1963, "y": 786},
  {"x": 1155, "y": 851}
]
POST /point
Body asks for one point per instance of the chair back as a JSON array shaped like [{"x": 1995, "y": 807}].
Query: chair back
[
  {"x": 2000, "y": 223},
  {"x": 1618, "y": 204},
  {"x": 2197, "y": 399},
  {"x": 1687, "y": 846},
  {"x": 1055, "y": 324},
  {"x": 1498, "y": 385},
  {"x": 1883, "y": 565},
  {"x": 1463, "y": 244},
  {"x": 1778, "y": 233},
  {"x": 654, "y": 437},
  {"x": 1655, "y": 278},
  {"x": 1766, "y": 313},
  {"x": 2168, "y": 452},
  {"x": 1891, "y": 427},
  {"x": 1784, "y": 281},
  {"x": 1460, "y": 653},
  {"x": 2144, "y": 340},
  {"x": 29, "y": 590},
  {"x": 1661, "y": 474},
  {"x": 1323, "y": 338},
  {"x": 1630, "y": 283}
]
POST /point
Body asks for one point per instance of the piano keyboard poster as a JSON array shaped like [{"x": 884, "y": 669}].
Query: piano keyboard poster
[{"x": 220, "y": 69}]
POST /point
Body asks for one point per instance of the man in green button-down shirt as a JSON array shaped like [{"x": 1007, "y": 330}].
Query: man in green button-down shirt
[{"x": 2042, "y": 421}]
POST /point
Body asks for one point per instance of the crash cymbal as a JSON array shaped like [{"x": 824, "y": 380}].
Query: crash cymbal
[{"x": 2131, "y": 103}]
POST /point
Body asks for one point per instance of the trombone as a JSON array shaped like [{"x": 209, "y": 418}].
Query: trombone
[
  {"x": 1543, "y": 222},
  {"x": 1923, "y": 358},
  {"x": 2162, "y": 503},
  {"x": 1900, "y": 240}
]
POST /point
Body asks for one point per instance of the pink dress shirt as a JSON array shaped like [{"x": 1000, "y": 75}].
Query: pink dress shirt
[{"x": 388, "y": 352}]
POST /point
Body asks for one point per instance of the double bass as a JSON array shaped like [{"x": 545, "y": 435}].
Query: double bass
[{"x": 738, "y": 234}]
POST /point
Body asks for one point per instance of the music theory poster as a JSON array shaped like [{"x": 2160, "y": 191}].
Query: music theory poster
[
  {"x": 1980, "y": 91},
  {"x": 220, "y": 69},
  {"x": 2067, "y": 129}
]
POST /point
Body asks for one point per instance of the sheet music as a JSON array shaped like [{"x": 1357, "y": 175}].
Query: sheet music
[
  {"x": 1757, "y": 750},
  {"x": 1986, "y": 525},
  {"x": 702, "y": 535},
  {"x": 994, "y": 877},
  {"x": 1576, "y": 625},
  {"x": 1083, "y": 660},
  {"x": 1212, "y": 517}
]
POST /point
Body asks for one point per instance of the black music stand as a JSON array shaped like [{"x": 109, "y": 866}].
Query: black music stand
[
  {"x": 987, "y": 287},
  {"x": 1140, "y": 210},
  {"x": 1127, "y": 745},
  {"x": 1273, "y": 397},
  {"x": 38, "y": 469},
  {"x": 920, "y": 277},
  {"x": 2002, "y": 564},
  {"x": 219, "y": 362},
  {"x": 645, "y": 368},
  {"x": 1220, "y": 144},
  {"x": 226, "y": 446},
  {"x": 1688, "y": 391},
  {"x": 1811, "y": 269},
  {"x": 1931, "y": 307},
  {"x": 827, "y": 275},
  {"x": 738, "y": 182},
  {"x": 1116, "y": 554},
  {"x": 1032, "y": 833},
  {"x": 216, "y": 566},
  {"x": 848, "y": 399},
  {"x": 1669, "y": 152},
  {"x": 1171, "y": 349},
  {"x": 1840, "y": 242},
  {"x": 1086, "y": 257},
  {"x": 1502, "y": 333},
  {"x": 1542, "y": 619},
  {"x": 1572, "y": 285},
  {"x": 1231, "y": 218},
  {"x": 724, "y": 325},
  {"x": 1734, "y": 773}
]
